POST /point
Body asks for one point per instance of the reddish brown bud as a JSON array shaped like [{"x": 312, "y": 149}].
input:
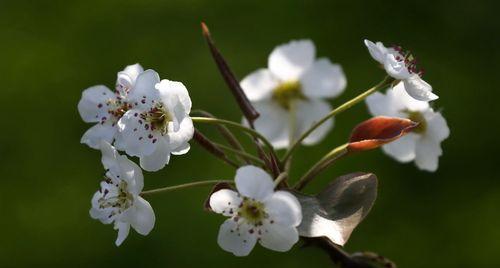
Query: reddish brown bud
[{"x": 378, "y": 131}]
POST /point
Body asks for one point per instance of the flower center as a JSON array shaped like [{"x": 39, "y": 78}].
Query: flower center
[
  {"x": 420, "y": 119},
  {"x": 252, "y": 211},
  {"x": 158, "y": 117},
  {"x": 120, "y": 200},
  {"x": 117, "y": 107},
  {"x": 288, "y": 92},
  {"x": 409, "y": 60}
]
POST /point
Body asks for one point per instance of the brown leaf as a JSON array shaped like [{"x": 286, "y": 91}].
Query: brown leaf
[
  {"x": 378, "y": 131},
  {"x": 246, "y": 107}
]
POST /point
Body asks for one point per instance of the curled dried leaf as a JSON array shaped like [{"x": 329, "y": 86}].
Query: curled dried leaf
[
  {"x": 378, "y": 131},
  {"x": 339, "y": 208}
]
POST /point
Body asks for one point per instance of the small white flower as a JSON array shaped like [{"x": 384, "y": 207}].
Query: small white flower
[
  {"x": 290, "y": 93},
  {"x": 402, "y": 66},
  {"x": 118, "y": 200},
  {"x": 257, "y": 213},
  {"x": 423, "y": 144},
  {"x": 158, "y": 124},
  {"x": 102, "y": 106}
]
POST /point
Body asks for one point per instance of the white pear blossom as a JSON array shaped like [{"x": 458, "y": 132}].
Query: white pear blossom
[
  {"x": 159, "y": 123},
  {"x": 118, "y": 201},
  {"x": 102, "y": 106},
  {"x": 401, "y": 65},
  {"x": 423, "y": 144},
  {"x": 290, "y": 93},
  {"x": 257, "y": 213}
]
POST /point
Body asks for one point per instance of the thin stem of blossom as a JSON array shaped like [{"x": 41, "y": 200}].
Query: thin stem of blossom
[
  {"x": 280, "y": 178},
  {"x": 321, "y": 165},
  {"x": 227, "y": 134},
  {"x": 240, "y": 153},
  {"x": 212, "y": 148},
  {"x": 185, "y": 186},
  {"x": 241, "y": 127},
  {"x": 387, "y": 81}
]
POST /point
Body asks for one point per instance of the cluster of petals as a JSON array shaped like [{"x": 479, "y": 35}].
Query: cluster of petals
[
  {"x": 144, "y": 116},
  {"x": 423, "y": 144},
  {"x": 402, "y": 66},
  {"x": 118, "y": 200},
  {"x": 256, "y": 213},
  {"x": 290, "y": 93},
  {"x": 104, "y": 107}
]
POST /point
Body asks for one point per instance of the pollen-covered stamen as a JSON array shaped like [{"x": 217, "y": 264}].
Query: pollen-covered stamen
[
  {"x": 420, "y": 119},
  {"x": 252, "y": 211},
  {"x": 157, "y": 118},
  {"x": 288, "y": 92},
  {"x": 115, "y": 196},
  {"x": 409, "y": 60},
  {"x": 117, "y": 107}
]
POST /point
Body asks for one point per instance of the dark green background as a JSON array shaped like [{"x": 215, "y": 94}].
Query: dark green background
[{"x": 52, "y": 50}]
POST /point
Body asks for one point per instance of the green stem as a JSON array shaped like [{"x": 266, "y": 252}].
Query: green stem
[
  {"x": 387, "y": 81},
  {"x": 184, "y": 186},
  {"x": 280, "y": 178},
  {"x": 241, "y": 127},
  {"x": 321, "y": 165},
  {"x": 240, "y": 153},
  {"x": 226, "y": 133}
]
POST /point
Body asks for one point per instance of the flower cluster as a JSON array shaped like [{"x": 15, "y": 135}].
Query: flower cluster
[{"x": 284, "y": 106}]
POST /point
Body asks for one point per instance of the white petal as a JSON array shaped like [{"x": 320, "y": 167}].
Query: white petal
[
  {"x": 236, "y": 239},
  {"x": 225, "y": 202},
  {"x": 381, "y": 105},
  {"x": 377, "y": 51},
  {"x": 109, "y": 154},
  {"x": 437, "y": 128},
  {"x": 158, "y": 159},
  {"x": 289, "y": 61},
  {"x": 259, "y": 85},
  {"x": 284, "y": 209},
  {"x": 183, "y": 149},
  {"x": 273, "y": 123},
  {"x": 136, "y": 134},
  {"x": 174, "y": 90},
  {"x": 180, "y": 136},
  {"x": 141, "y": 216},
  {"x": 403, "y": 101},
  {"x": 253, "y": 182},
  {"x": 308, "y": 113},
  {"x": 123, "y": 230},
  {"x": 132, "y": 174},
  {"x": 127, "y": 77},
  {"x": 396, "y": 68},
  {"x": 402, "y": 149},
  {"x": 419, "y": 89},
  {"x": 144, "y": 91},
  {"x": 92, "y": 106},
  {"x": 427, "y": 154},
  {"x": 94, "y": 135},
  {"x": 119, "y": 143},
  {"x": 278, "y": 237},
  {"x": 323, "y": 80}
]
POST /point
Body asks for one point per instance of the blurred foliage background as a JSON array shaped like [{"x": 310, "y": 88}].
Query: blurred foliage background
[{"x": 52, "y": 50}]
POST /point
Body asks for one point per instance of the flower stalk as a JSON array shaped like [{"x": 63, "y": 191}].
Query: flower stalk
[
  {"x": 185, "y": 186},
  {"x": 387, "y": 81},
  {"x": 321, "y": 165},
  {"x": 212, "y": 148}
]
